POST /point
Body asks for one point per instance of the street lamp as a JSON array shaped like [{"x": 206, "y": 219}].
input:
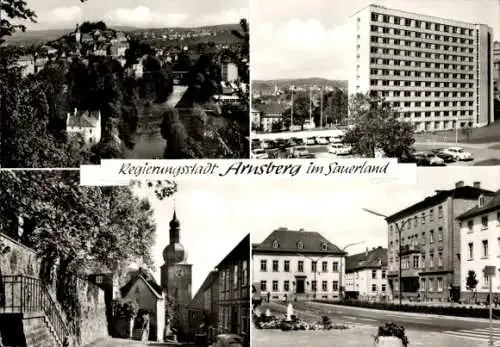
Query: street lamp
[
  {"x": 399, "y": 230},
  {"x": 315, "y": 261},
  {"x": 340, "y": 270}
]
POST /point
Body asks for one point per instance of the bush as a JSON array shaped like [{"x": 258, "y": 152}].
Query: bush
[
  {"x": 391, "y": 329},
  {"x": 455, "y": 311},
  {"x": 125, "y": 308}
]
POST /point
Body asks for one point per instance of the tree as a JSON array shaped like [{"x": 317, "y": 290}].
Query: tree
[
  {"x": 16, "y": 10},
  {"x": 335, "y": 107},
  {"x": 471, "y": 282},
  {"x": 376, "y": 127},
  {"x": 174, "y": 132},
  {"x": 301, "y": 111},
  {"x": 243, "y": 53}
]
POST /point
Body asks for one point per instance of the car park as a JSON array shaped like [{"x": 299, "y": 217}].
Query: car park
[
  {"x": 310, "y": 141},
  {"x": 428, "y": 159},
  {"x": 299, "y": 152},
  {"x": 259, "y": 153},
  {"x": 458, "y": 153},
  {"x": 448, "y": 158},
  {"x": 321, "y": 141},
  {"x": 339, "y": 149}
]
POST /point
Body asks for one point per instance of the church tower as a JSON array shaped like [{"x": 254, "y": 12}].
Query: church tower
[
  {"x": 176, "y": 277},
  {"x": 78, "y": 34}
]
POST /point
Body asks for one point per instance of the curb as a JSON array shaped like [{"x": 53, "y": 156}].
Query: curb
[{"x": 410, "y": 314}]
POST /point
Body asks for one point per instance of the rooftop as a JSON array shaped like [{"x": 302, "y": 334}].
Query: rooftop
[
  {"x": 270, "y": 108},
  {"x": 374, "y": 258},
  {"x": 491, "y": 204},
  {"x": 84, "y": 119},
  {"x": 283, "y": 240},
  {"x": 240, "y": 252}
]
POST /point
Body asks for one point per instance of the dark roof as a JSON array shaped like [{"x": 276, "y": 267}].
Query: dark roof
[
  {"x": 146, "y": 277},
  {"x": 367, "y": 260},
  {"x": 270, "y": 108},
  {"x": 465, "y": 192},
  {"x": 491, "y": 204},
  {"x": 288, "y": 241},
  {"x": 212, "y": 277},
  {"x": 240, "y": 252},
  {"x": 83, "y": 119}
]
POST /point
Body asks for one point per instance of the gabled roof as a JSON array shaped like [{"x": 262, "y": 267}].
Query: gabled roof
[
  {"x": 271, "y": 108},
  {"x": 150, "y": 282},
  {"x": 291, "y": 240},
  {"x": 491, "y": 205},
  {"x": 464, "y": 192},
  {"x": 367, "y": 260},
  {"x": 83, "y": 119}
]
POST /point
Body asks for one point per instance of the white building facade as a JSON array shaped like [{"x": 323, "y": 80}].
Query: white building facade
[
  {"x": 85, "y": 123},
  {"x": 300, "y": 265},
  {"x": 436, "y": 72},
  {"x": 480, "y": 246}
]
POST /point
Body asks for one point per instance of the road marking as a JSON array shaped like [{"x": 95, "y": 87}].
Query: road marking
[{"x": 474, "y": 334}]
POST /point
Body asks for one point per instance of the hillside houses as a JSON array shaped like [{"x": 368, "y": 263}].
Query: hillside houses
[{"x": 85, "y": 123}]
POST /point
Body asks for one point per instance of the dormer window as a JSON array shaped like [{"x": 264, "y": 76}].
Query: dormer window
[
  {"x": 481, "y": 200},
  {"x": 379, "y": 262},
  {"x": 276, "y": 244},
  {"x": 300, "y": 245},
  {"x": 324, "y": 246}
]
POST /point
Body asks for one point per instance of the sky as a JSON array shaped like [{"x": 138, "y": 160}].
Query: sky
[
  {"x": 216, "y": 215},
  {"x": 308, "y": 38},
  {"x": 64, "y": 14}
]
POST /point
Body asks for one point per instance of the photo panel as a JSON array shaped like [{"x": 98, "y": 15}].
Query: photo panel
[
  {"x": 92, "y": 80},
  {"x": 409, "y": 80},
  {"x": 379, "y": 264},
  {"x": 160, "y": 262}
]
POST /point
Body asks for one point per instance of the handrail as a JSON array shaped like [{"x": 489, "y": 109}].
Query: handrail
[{"x": 24, "y": 294}]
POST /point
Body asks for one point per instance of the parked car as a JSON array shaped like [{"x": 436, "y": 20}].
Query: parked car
[
  {"x": 281, "y": 143},
  {"x": 259, "y": 153},
  {"x": 228, "y": 340},
  {"x": 321, "y": 141},
  {"x": 339, "y": 149},
  {"x": 448, "y": 158},
  {"x": 458, "y": 153},
  {"x": 335, "y": 139},
  {"x": 299, "y": 152},
  {"x": 427, "y": 159},
  {"x": 266, "y": 145},
  {"x": 310, "y": 141}
]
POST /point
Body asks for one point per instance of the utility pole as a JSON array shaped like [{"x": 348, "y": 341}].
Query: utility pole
[
  {"x": 291, "y": 117},
  {"x": 341, "y": 291},
  {"x": 310, "y": 107},
  {"x": 321, "y": 108},
  {"x": 490, "y": 272}
]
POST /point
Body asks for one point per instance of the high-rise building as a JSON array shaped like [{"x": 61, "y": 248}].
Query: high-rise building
[
  {"x": 496, "y": 68},
  {"x": 437, "y": 73}
]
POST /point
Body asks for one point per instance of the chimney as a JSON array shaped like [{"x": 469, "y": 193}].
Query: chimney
[
  {"x": 459, "y": 184},
  {"x": 477, "y": 184},
  {"x": 366, "y": 252}
]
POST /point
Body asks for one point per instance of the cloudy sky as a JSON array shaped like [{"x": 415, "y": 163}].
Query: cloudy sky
[
  {"x": 216, "y": 215},
  {"x": 308, "y": 38},
  {"x": 62, "y": 14}
]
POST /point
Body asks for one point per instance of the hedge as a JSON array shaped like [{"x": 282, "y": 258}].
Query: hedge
[{"x": 456, "y": 311}]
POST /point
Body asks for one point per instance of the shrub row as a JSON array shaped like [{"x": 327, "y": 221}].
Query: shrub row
[{"x": 457, "y": 311}]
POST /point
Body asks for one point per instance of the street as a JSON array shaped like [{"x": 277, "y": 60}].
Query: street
[
  {"x": 480, "y": 152},
  {"x": 111, "y": 342},
  {"x": 461, "y": 328}
]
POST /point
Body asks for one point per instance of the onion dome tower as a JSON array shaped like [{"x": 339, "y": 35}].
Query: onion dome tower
[{"x": 174, "y": 253}]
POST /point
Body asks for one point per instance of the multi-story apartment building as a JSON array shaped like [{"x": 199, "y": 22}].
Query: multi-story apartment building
[
  {"x": 366, "y": 274},
  {"x": 430, "y": 244},
  {"x": 234, "y": 290},
  {"x": 496, "y": 68},
  {"x": 480, "y": 245},
  {"x": 300, "y": 265},
  {"x": 436, "y": 72}
]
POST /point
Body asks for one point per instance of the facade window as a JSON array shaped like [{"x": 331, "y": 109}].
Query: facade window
[
  {"x": 440, "y": 212},
  {"x": 324, "y": 266},
  {"x": 374, "y": 274},
  {"x": 374, "y": 288},
  {"x": 471, "y": 251},
  {"x": 485, "y": 248},
  {"x": 263, "y": 265},
  {"x": 416, "y": 261},
  {"x": 286, "y": 266},
  {"x": 440, "y": 284},
  {"x": 383, "y": 287},
  {"x": 423, "y": 264},
  {"x": 275, "y": 286},
  {"x": 275, "y": 244},
  {"x": 431, "y": 256},
  {"x": 324, "y": 246},
  {"x": 470, "y": 225},
  {"x": 486, "y": 281},
  {"x": 423, "y": 238},
  {"x": 440, "y": 234},
  {"x": 244, "y": 269},
  {"x": 484, "y": 222},
  {"x": 313, "y": 286},
  {"x": 286, "y": 286},
  {"x": 300, "y": 266},
  {"x": 263, "y": 286},
  {"x": 335, "y": 286},
  {"x": 275, "y": 265},
  {"x": 335, "y": 266},
  {"x": 431, "y": 236},
  {"x": 98, "y": 279},
  {"x": 431, "y": 212},
  {"x": 324, "y": 286},
  {"x": 440, "y": 258},
  {"x": 300, "y": 245},
  {"x": 384, "y": 273},
  {"x": 235, "y": 277},
  {"x": 313, "y": 266},
  {"x": 415, "y": 221},
  {"x": 423, "y": 217}
]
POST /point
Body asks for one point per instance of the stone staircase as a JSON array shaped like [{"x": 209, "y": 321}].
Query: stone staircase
[
  {"x": 140, "y": 334},
  {"x": 39, "y": 332}
]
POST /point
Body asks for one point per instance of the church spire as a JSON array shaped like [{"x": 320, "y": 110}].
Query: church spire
[{"x": 174, "y": 229}]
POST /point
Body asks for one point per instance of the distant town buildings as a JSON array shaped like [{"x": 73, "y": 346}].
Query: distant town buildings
[
  {"x": 85, "y": 123},
  {"x": 366, "y": 275},
  {"x": 437, "y": 72},
  {"x": 229, "y": 72},
  {"x": 480, "y": 246},
  {"x": 265, "y": 116},
  {"x": 297, "y": 265}
]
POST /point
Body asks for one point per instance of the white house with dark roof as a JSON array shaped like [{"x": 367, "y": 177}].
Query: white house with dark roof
[
  {"x": 297, "y": 265},
  {"x": 480, "y": 245},
  {"x": 366, "y": 274},
  {"x": 85, "y": 123}
]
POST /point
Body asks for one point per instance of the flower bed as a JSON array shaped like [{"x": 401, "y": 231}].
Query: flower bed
[
  {"x": 457, "y": 311},
  {"x": 280, "y": 322}
]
